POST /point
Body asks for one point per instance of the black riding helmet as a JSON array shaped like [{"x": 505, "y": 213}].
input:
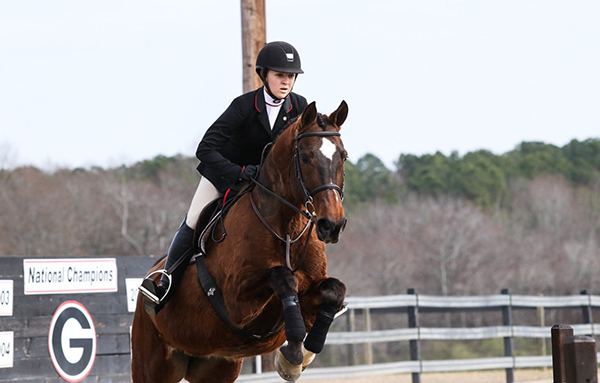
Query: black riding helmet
[{"x": 278, "y": 56}]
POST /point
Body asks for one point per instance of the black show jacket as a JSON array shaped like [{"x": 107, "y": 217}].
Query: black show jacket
[{"x": 239, "y": 135}]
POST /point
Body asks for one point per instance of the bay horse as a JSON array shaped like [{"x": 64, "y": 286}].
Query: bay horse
[{"x": 271, "y": 270}]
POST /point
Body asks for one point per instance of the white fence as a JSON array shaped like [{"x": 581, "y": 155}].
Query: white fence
[{"x": 413, "y": 303}]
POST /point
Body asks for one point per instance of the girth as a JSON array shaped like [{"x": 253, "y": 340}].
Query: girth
[{"x": 216, "y": 300}]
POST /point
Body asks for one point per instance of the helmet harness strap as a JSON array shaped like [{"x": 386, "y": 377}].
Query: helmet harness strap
[{"x": 263, "y": 77}]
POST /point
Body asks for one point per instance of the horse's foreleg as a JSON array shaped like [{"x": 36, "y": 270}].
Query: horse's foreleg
[
  {"x": 331, "y": 293},
  {"x": 152, "y": 361},
  {"x": 289, "y": 358}
]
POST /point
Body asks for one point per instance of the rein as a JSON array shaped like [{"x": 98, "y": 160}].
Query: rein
[
  {"x": 310, "y": 224},
  {"x": 310, "y": 216}
]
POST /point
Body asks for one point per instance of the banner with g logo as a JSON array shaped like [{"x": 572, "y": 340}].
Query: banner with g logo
[{"x": 72, "y": 341}]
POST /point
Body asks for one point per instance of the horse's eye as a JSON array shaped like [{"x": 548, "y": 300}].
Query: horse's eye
[{"x": 305, "y": 159}]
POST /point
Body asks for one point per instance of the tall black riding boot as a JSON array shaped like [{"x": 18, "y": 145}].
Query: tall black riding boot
[{"x": 158, "y": 295}]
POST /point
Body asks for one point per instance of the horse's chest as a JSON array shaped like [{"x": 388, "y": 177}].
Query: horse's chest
[{"x": 304, "y": 282}]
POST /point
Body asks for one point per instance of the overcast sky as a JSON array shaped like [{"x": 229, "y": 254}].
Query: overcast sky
[{"x": 101, "y": 83}]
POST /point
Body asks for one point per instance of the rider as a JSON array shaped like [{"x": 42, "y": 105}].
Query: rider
[{"x": 232, "y": 147}]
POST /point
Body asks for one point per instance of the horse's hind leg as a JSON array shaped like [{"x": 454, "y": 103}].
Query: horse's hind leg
[
  {"x": 289, "y": 358},
  {"x": 213, "y": 370}
]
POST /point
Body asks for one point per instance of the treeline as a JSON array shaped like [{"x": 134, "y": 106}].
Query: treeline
[
  {"x": 528, "y": 219},
  {"x": 85, "y": 212},
  {"x": 481, "y": 177}
]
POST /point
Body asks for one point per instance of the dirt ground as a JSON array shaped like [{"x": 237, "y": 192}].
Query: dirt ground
[{"x": 521, "y": 376}]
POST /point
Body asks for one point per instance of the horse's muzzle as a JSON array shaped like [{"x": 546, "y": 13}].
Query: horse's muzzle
[{"x": 329, "y": 231}]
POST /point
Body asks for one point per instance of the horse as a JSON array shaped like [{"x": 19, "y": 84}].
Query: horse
[{"x": 271, "y": 269}]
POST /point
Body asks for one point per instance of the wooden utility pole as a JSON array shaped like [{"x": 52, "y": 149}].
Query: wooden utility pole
[{"x": 253, "y": 39}]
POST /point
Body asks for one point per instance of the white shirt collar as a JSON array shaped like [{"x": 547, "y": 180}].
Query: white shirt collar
[
  {"x": 272, "y": 108},
  {"x": 270, "y": 101}
]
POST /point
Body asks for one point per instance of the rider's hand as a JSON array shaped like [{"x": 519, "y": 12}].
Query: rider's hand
[{"x": 249, "y": 172}]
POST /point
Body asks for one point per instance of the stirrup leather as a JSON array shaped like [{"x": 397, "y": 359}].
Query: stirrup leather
[{"x": 149, "y": 294}]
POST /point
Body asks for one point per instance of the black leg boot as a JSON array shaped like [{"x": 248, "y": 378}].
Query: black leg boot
[{"x": 157, "y": 295}]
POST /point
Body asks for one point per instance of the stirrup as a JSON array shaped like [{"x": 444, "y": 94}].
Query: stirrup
[{"x": 149, "y": 294}]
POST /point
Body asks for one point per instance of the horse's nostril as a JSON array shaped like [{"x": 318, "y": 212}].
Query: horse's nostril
[
  {"x": 329, "y": 231},
  {"x": 324, "y": 224},
  {"x": 324, "y": 228}
]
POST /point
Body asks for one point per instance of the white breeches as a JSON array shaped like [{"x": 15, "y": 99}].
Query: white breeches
[{"x": 205, "y": 193}]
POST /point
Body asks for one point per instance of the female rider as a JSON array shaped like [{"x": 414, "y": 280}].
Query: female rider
[{"x": 231, "y": 149}]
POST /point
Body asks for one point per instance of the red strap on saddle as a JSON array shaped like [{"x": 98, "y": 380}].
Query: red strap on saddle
[
  {"x": 228, "y": 190},
  {"x": 225, "y": 196}
]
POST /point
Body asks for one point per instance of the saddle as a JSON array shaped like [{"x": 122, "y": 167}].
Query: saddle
[
  {"x": 212, "y": 217},
  {"x": 212, "y": 210}
]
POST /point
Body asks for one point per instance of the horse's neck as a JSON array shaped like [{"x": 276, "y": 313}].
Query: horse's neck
[
  {"x": 278, "y": 169},
  {"x": 276, "y": 175}
]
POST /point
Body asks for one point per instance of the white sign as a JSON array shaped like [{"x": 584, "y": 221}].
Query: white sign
[
  {"x": 72, "y": 341},
  {"x": 6, "y": 298},
  {"x": 6, "y": 349},
  {"x": 70, "y": 275},
  {"x": 131, "y": 285}
]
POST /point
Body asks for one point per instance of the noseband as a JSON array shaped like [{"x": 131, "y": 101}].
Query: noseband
[{"x": 298, "y": 171}]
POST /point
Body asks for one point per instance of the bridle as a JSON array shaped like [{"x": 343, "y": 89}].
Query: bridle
[
  {"x": 298, "y": 170},
  {"x": 309, "y": 214}
]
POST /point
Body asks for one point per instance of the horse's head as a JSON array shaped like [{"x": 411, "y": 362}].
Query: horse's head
[{"x": 318, "y": 163}]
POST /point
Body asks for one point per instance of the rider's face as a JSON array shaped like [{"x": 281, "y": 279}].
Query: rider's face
[{"x": 280, "y": 83}]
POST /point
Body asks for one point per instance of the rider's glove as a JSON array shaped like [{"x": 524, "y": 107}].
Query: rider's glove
[{"x": 248, "y": 172}]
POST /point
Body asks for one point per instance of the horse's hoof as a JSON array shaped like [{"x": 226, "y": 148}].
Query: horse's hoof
[
  {"x": 308, "y": 357},
  {"x": 287, "y": 371}
]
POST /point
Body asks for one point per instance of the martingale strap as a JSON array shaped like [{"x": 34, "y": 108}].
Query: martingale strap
[{"x": 215, "y": 298}]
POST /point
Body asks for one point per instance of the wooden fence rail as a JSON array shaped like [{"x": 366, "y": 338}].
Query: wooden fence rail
[{"x": 414, "y": 305}]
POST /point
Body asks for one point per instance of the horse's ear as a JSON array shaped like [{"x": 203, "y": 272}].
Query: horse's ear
[
  {"x": 309, "y": 115},
  {"x": 338, "y": 117}
]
